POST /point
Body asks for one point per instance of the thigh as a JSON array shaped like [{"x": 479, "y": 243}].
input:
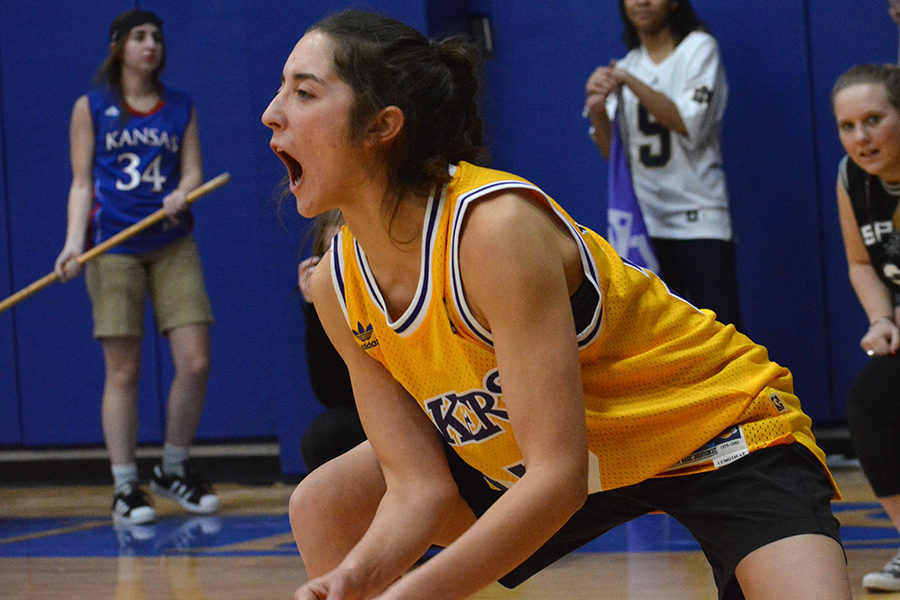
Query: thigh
[
  {"x": 117, "y": 287},
  {"x": 176, "y": 286},
  {"x": 801, "y": 567},
  {"x": 332, "y": 507},
  {"x": 770, "y": 495}
]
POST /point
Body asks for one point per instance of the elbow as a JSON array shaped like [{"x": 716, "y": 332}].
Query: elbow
[
  {"x": 571, "y": 485},
  {"x": 578, "y": 490}
]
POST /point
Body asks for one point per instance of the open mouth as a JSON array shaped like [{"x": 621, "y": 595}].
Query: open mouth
[{"x": 295, "y": 171}]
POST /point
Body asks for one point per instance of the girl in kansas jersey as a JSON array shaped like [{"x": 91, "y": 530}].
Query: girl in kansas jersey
[
  {"x": 673, "y": 92},
  {"x": 522, "y": 388},
  {"x": 134, "y": 149},
  {"x": 866, "y": 102}
]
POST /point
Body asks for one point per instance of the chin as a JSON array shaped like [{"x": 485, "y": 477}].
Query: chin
[{"x": 308, "y": 210}]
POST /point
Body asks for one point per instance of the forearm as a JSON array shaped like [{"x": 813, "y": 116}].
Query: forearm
[
  {"x": 78, "y": 214},
  {"x": 404, "y": 527},
  {"x": 876, "y": 299},
  {"x": 190, "y": 179},
  {"x": 601, "y": 131},
  {"x": 658, "y": 104},
  {"x": 517, "y": 525}
]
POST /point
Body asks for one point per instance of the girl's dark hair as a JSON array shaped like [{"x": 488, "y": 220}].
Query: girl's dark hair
[
  {"x": 434, "y": 83},
  {"x": 110, "y": 72},
  {"x": 682, "y": 21},
  {"x": 888, "y": 75},
  {"x": 322, "y": 224}
]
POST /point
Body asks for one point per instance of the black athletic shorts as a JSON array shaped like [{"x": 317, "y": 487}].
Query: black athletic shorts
[{"x": 771, "y": 494}]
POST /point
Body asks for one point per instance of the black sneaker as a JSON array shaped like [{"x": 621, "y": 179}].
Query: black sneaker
[
  {"x": 192, "y": 491},
  {"x": 131, "y": 507}
]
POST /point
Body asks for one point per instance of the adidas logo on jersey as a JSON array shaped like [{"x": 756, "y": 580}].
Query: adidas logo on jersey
[
  {"x": 364, "y": 335},
  {"x": 112, "y": 111}
]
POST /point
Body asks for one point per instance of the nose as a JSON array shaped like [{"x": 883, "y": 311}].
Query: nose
[{"x": 272, "y": 117}]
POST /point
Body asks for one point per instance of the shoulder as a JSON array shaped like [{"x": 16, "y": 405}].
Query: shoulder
[
  {"x": 843, "y": 175},
  {"x": 470, "y": 180},
  {"x": 698, "y": 43},
  {"x": 505, "y": 221},
  {"x": 82, "y": 111},
  {"x": 633, "y": 55}
]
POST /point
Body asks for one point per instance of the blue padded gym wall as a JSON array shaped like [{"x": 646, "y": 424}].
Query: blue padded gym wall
[{"x": 779, "y": 143}]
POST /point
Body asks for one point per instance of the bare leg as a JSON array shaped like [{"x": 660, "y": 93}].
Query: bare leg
[
  {"x": 122, "y": 359},
  {"x": 333, "y": 506},
  {"x": 190, "y": 355},
  {"x": 797, "y": 568}
]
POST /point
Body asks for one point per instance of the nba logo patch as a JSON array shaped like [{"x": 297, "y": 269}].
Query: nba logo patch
[{"x": 776, "y": 402}]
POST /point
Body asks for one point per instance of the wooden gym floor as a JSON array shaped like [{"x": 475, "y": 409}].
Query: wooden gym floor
[{"x": 58, "y": 542}]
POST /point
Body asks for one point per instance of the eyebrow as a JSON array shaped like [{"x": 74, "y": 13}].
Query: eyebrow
[{"x": 305, "y": 77}]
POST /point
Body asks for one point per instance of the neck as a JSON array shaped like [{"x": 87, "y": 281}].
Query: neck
[
  {"x": 659, "y": 43},
  {"x": 392, "y": 244},
  {"x": 137, "y": 85}
]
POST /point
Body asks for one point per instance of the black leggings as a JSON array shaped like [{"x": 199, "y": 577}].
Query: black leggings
[
  {"x": 703, "y": 273},
  {"x": 873, "y": 416},
  {"x": 331, "y": 434}
]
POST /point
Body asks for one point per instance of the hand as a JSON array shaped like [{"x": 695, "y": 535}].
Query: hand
[
  {"x": 66, "y": 267},
  {"x": 604, "y": 79},
  {"x": 175, "y": 203},
  {"x": 883, "y": 337},
  {"x": 304, "y": 272},
  {"x": 334, "y": 585}
]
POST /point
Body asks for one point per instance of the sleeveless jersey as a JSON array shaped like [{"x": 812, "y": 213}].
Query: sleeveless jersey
[
  {"x": 136, "y": 164},
  {"x": 667, "y": 389},
  {"x": 873, "y": 206}
]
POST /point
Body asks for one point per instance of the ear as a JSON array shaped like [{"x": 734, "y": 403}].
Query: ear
[{"x": 385, "y": 126}]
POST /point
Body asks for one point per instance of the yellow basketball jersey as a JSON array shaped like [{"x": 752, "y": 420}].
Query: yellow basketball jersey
[{"x": 668, "y": 390}]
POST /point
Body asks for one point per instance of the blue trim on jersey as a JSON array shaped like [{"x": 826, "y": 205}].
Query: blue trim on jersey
[
  {"x": 584, "y": 337},
  {"x": 415, "y": 313},
  {"x": 368, "y": 277},
  {"x": 337, "y": 273}
]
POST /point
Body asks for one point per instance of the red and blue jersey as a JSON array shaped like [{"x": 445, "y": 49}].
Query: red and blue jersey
[{"x": 136, "y": 164}]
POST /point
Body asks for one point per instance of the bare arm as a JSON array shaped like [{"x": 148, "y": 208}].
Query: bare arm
[
  {"x": 191, "y": 166},
  {"x": 421, "y": 494},
  {"x": 81, "y": 190},
  {"x": 599, "y": 86},
  {"x": 876, "y": 299},
  {"x": 522, "y": 294}
]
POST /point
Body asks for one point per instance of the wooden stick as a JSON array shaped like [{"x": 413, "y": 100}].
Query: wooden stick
[{"x": 120, "y": 237}]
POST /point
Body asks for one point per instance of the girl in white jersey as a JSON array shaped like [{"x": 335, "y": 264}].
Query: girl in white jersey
[
  {"x": 672, "y": 91},
  {"x": 522, "y": 389}
]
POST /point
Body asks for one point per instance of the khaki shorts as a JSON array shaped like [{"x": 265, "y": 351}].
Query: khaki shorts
[{"x": 118, "y": 285}]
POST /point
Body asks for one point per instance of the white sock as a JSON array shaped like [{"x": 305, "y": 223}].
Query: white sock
[
  {"x": 173, "y": 459},
  {"x": 124, "y": 475}
]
